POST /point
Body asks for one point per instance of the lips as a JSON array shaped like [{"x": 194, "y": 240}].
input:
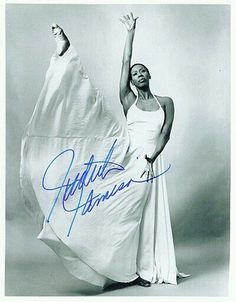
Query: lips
[{"x": 141, "y": 80}]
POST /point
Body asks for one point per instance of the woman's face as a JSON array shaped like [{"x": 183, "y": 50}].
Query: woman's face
[{"x": 140, "y": 76}]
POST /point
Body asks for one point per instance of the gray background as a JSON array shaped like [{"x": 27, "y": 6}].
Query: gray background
[{"x": 187, "y": 49}]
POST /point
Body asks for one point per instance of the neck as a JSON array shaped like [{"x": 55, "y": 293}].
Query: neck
[{"x": 144, "y": 93}]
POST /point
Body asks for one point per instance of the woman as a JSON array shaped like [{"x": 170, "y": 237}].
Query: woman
[
  {"x": 139, "y": 76},
  {"x": 82, "y": 173}
]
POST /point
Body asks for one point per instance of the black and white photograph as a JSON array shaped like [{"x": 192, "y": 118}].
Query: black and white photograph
[{"x": 117, "y": 149}]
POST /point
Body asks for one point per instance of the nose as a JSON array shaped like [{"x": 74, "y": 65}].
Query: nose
[{"x": 140, "y": 75}]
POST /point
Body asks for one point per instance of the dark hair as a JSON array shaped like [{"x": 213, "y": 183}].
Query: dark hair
[{"x": 130, "y": 77}]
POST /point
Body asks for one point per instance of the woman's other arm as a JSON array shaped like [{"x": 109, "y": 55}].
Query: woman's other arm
[
  {"x": 127, "y": 97},
  {"x": 164, "y": 136}
]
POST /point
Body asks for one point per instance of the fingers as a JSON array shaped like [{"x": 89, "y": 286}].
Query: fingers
[
  {"x": 123, "y": 19},
  {"x": 150, "y": 178},
  {"x": 152, "y": 175},
  {"x": 56, "y": 29},
  {"x": 147, "y": 175},
  {"x": 54, "y": 25},
  {"x": 149, "y": 170},
  {"x": 145, "y": 171},
  {"x": 132, "y": 17},
  {"x": 127, "y": 18},
  {"x": 142, "y": 174}
]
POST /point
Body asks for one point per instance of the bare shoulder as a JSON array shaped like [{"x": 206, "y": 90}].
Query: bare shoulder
[
  {"x": 165, "y": 101},
  {"x": 168, "y": 106}
]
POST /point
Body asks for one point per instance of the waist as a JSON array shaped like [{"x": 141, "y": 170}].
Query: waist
[{"x": 143, "y": 140}]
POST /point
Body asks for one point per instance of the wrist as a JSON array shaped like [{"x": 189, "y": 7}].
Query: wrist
[
  {"x": 150, "y": 159},
  {"x": 131, "y": 31}
]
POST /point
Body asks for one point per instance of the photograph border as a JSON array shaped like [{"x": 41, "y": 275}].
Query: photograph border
[{"x": 232, "y": 280}]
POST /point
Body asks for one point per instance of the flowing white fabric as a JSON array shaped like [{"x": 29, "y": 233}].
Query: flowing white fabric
[{"x": 128, "y": 233}]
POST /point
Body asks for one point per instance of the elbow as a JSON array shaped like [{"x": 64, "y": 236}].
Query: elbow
[
  {"x": 166, "y": 138},
  {"x": 165, "y": 135}
]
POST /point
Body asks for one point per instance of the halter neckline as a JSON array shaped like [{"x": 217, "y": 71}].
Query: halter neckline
[{"x": 135, "y": 104}]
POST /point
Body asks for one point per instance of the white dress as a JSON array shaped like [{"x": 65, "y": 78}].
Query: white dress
[{"x": 105, "y": 226}]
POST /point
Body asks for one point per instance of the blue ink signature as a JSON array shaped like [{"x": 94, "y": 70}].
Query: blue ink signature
[{"x": 94, "y": 170}]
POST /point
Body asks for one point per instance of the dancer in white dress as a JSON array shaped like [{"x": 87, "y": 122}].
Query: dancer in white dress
[{"x": 97, "y": 185}]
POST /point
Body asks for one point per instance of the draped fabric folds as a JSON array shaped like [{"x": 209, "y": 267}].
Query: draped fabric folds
[{"x": 80, "y": 175}]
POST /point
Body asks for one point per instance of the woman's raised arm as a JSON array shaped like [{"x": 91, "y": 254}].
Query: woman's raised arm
[{"x": 127, "y": 97}]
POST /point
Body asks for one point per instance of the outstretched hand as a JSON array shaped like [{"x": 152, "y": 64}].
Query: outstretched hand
[
  {"x": 148, "y": 171},
  {"x": 129, "y": 21}
]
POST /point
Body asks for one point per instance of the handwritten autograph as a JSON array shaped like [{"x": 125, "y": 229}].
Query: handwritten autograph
[{"x": 93, "y": 170}]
